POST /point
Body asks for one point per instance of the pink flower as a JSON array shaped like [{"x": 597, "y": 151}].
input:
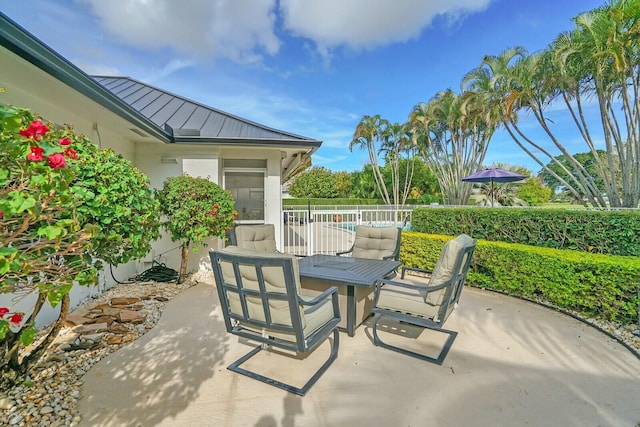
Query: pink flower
[
  {"x": 71, "y": 153},
  {"x": 57, "y": 161},
  {"x": 3, "y": 311},
  {"x": 64, "y": 141},
  {"x": 16, "y": 318},
  {"x": 35, "y": 155},
  {"x": 36, "y": 130}
]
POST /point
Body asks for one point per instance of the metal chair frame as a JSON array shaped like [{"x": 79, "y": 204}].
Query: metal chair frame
[{"x": 243, "y": 325}]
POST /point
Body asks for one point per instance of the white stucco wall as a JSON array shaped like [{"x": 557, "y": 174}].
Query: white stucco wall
[{"x": 162, "y": 162}]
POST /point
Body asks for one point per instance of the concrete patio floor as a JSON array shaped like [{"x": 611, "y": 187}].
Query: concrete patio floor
[{"x": 514, "y": 363}]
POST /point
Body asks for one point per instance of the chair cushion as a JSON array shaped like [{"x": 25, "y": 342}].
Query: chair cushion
[
  {"x": 444, "y": 269},
  {"x": 404, "y": 300},
  {"x": 375, "y": 242},
  {"x": 273, "y": 281},
  {"x": 260, "y": 237}
]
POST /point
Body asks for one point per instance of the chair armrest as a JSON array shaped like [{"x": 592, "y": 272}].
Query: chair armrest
[
  {"x": 319, "y": 298},
  {"x": 425, "y": 288},
  {"x": 418, "y": 270},
  {"x": 345, "y": 252}
]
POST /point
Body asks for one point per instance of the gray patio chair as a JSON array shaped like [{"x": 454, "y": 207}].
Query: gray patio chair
[
  {"x": 261, "y": 237},
  {"x": 425, "y": 298},
  {"x": 261, "y": 301},
  {"x": 375, "y": 243}
]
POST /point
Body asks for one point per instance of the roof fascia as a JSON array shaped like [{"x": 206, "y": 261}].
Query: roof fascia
[{"x": 308, "y": 143}]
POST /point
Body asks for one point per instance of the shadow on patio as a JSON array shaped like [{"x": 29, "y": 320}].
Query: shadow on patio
[{"x": 513, "y": 363}]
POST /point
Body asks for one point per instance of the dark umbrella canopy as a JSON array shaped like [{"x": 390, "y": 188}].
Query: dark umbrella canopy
[{"x": 492, "y": 175}]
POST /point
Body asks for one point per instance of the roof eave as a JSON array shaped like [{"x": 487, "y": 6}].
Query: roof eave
[{"x": 310, "y": 143}]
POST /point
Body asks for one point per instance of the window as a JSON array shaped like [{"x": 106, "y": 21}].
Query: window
[{"x": 247, "y": 188}]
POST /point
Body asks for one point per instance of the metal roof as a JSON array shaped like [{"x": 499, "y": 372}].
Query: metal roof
[{"x": 189, "y": 121}]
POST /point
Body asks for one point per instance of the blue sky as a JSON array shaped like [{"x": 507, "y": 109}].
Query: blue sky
[{"x": 309, "y": 67}]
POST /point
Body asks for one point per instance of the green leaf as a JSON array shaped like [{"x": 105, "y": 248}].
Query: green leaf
[
  {"x": 50, "y": 231},
  {"x": 4, "y": 251},
  {"x": 4, "y": 328},
  {"x": 4, "y": 265},
  {"x": 27, "y": 335}
]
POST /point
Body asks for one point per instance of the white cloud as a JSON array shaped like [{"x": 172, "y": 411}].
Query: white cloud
[
  {"x": 240, "y": 30},
  {"x": 361, "y": 24},
  {"x": 97, "y": 69}
]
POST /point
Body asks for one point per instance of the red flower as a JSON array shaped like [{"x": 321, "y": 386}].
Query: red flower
[
  {"x": 3, "y": 311},
  {"x": 57, "y": 161},
  {"x": 16, "y": 318},
  {"x": 216, "y": 206},
  {"x": 64, "y": 141},
  {"x": 213, "y": 212},
  {"x": 71, "y": 153},
  {"x": 35, "y": 155},
  {"x": 36, "y": 130},
  {"x": 1, "y": 214}
]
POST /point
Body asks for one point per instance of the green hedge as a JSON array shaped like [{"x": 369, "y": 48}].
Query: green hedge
[
  {"x": 339, "y": 202},
  {"x": 602, "y": 286},
  {"x": 604, "y": 232},
  {"x": 331, "y": 202}
]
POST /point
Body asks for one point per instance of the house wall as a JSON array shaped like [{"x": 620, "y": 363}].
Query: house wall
[{"x": 169, "y": 160}]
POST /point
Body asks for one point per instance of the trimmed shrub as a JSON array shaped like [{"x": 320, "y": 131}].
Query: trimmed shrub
[
  {"x": 604, "y": 232},
  {"x": 602, "y": 286}
]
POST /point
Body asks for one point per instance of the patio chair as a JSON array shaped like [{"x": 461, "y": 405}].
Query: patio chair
[
  {"x": 261, "y": 237},
  {"x": 261, "y": 301},
  {"x": 375, "y": 243},
  {"x": 425, "y": 298}
]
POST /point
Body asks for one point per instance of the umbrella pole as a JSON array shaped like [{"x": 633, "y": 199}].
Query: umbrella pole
[{"x": 492, "y": 192}]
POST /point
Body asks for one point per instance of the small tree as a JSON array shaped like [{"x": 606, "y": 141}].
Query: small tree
[
  {"x": 43, "y": 246},
  {"x": 196, "y": 208},
  {"x": 534, "y": 192},
  {"x": 317, "y": 182}
]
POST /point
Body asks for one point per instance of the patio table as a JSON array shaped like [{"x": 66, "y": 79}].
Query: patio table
[{"x": 354, "y": 277}]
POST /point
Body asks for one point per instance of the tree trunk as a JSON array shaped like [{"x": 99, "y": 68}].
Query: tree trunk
[
  {"x": 15, "y": 365},
  {"x": 183, "y": 262}
]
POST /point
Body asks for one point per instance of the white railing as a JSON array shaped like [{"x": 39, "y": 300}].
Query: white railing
[{"x": 327, "y": 231}]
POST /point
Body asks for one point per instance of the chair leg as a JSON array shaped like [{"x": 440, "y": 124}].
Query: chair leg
[
  {"x": 235, "y": 367},
  {"x": 437, "y": 360}
]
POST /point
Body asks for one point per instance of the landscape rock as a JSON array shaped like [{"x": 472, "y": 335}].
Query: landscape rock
[
  {"x": 130, "y": 316},
  {"x": 124, "y": 301}
]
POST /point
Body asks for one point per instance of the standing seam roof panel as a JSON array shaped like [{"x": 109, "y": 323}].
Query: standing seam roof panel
[
  {"x": 181, "y": 115},
  {"x": 142, "y": 103},
  {"x": 157, "y": 105}
]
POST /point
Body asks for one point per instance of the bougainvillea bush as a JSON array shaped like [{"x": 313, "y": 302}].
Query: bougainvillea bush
[
  {"x": 43, "y": 245},
  {"x": 196, "y": 208},
  {"x": 117, "y": 198}
]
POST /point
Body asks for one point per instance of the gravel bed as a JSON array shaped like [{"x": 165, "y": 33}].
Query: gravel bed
[{"x": 50, "y": 395}]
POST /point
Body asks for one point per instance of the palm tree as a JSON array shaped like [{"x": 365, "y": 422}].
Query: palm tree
[
  {"x": 597, "y": 60},
  {"x": 368, "y": 132},
  {"x": 393, "y": 142},
  {"x": 453, "y": 133}
]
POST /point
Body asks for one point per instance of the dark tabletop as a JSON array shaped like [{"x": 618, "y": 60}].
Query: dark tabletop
[{"x": 351, "y": 271}]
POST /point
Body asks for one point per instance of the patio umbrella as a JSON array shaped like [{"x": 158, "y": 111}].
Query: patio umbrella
[{"x": 492, "y": 175}]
